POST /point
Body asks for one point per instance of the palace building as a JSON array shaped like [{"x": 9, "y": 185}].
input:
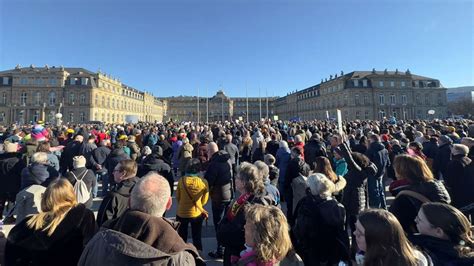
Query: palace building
[{"x": 32, "y": 93}]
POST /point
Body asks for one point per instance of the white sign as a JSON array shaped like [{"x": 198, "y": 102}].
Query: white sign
[{"x": 339, "y": 122}]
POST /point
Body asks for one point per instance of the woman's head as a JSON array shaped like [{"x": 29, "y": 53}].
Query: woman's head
[
  {"x": 43, "y": 147},
  {"x": 323, "y": 165},
  {"x": 412, "y": 168},
  {"x": 266, "y": 230},
  {"x": 446, "y": 222},
  {"x": 380, "y": 235},
  {"x": 193, "y": 166},
  {"x": 249, "y": 180},
  {"x": 320, "y": 185},
  {"x": 57, "y": 200}
]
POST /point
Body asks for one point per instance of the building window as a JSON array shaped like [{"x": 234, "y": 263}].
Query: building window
[
  {"x": 381, "y": 99},
  {"x": 52, "y": 98},
  {"x": 402, "y": 84},
  {"x": 5, "y": 80},
  {"x": 72, "y": 98},
  {"x": 4, "y": 98},
  {"x": 36, "y": 115},
  {"x": 392, "y": 99},
  {"x": 380, "y": 83},
  {"x": 366, "y": 99},
  {"x": 392, "y": 84},
  {"x": 82, "y": 117},
  {"x": 83, "y": 98},
  {"x": 37, "y": 98},
  {"x": 52, "y": 81},
  {"x": 356, "y": 83},
  {"x": 404, "y": 99},
  {"x": 364, "y": 82},
  {"x": 71, "y": 117},
  {"x": 23, "y": 98}
]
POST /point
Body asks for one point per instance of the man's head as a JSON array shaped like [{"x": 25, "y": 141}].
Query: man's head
[
  {"x": 151, "y": 195},
  {"x": 125, "y": 169},
  {"x": 211, "y": 149},
  {"x": 79, "y": 138}
]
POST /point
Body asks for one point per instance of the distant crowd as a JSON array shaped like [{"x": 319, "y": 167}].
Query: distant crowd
[{"x": 281, "y": 193}]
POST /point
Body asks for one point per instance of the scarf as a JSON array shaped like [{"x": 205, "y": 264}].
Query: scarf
[{"x": 237, "y": 205}]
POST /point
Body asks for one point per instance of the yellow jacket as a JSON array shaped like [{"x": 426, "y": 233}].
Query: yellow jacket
[{"x": 199, "y": 190}]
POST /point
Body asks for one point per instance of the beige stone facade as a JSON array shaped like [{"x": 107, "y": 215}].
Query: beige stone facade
[
  {"x": 367, "y": 95},
  {"x": 39, "y": 93},
  {"x": 220, "y": 107}
]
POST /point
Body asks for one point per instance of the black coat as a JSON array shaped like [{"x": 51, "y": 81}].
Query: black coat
[
  {"x": 116, "y": 201},
  {"x": 153, "y": 162},
  {"x": 379, "y": 156},
  {"x": 319, "y": 231},
  {"x": 11, "y": 165},
  {"x": 219, "y": 177},
  {"x": 89, "y": 178},
  {"x": 459, "y": 181},
  {"x": 406, "y": 208},
  {"x": 38, "y": 174},
  {"x": 442, "y": 159},
  {"x": 354, "y": 193},
  {"x": 313, "y": 149},
  {"x": 26, "y": 246},
  {"x": 442, "y": 252}
]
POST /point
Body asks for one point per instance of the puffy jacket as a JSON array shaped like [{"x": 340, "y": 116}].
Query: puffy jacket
[
  {"x": 406, "y": 208},
  {"x": 219, "y": 177},
  {"x": 319, "y": 230},
  {"x": 354, "y": 194},
  {"x": 198, "y": 192}
]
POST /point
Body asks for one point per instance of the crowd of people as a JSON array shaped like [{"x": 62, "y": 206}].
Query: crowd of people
[{"x": 281, "y": 193}]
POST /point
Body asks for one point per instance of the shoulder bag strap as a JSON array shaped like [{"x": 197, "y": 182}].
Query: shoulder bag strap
[
  {"x": 206, "y": 214},
  {"x": 415, "y": 195}
]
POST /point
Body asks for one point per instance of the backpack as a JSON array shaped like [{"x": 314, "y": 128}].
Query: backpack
[{"x": 80, "y": 188}]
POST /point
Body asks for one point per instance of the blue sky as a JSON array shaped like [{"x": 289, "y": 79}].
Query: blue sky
[{"x": 175, "y": 47}]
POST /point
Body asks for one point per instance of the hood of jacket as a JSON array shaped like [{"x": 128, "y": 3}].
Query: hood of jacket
[
  {"x": 157, "y": 232},
  {"x": 220, "y": 156}
]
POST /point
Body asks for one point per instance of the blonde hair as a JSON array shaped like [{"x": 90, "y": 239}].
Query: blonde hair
[
  {"x": 412, "y": 168},
  {"x": 270, "y": 232},
  {"x": 56, "y": 202}
]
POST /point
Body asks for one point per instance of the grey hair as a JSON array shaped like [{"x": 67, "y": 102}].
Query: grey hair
[
  {"x": 39, "y": 157},
  {"x": 151, "y": 194},
  {"x": 263, "y": 169},
  {"x": 320, "y": 185}
]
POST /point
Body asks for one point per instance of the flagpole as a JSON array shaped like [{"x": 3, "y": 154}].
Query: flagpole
[
  {"x": 198, "y": 117},
  {"x": 247, "y": 99},
  {"x": 207, "y": 107},
  {"x": 260, "y": 104},
  {"x": 266, "y": 92}
]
